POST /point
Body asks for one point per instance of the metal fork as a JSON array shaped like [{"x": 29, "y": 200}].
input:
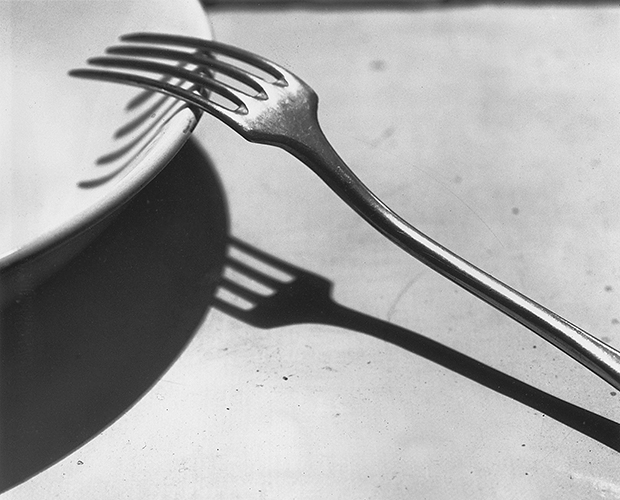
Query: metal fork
[{"x": 267, "y": 104}]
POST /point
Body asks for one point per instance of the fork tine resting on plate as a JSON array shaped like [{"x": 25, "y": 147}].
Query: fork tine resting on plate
[{"x": 267, "y": 104}]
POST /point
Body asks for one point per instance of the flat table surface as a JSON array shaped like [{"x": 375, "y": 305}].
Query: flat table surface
[{"x": 494, "y": 130}]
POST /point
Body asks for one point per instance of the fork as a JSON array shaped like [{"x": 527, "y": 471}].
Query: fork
[{"x": 265, "y": 103}]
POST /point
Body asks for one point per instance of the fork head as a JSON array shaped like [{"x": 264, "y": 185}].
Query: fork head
[{"x": 261, "y": 100}]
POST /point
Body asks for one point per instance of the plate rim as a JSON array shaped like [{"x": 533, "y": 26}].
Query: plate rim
[{"x": 174, "y": 131}]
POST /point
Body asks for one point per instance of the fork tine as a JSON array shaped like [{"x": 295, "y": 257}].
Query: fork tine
[
  {"x": 267, "y": 66},
  {"x": 228, "y": 116},
  {"x": 197, "y": 58},
  {"x": 170, "y": 70},
  {"x": 144, "y": 83}
]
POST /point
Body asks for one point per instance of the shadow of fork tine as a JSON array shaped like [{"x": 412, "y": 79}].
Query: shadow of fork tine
[
  {"x": 240, "y": 290},
  {"x": 143, "y": 97},
  {"x": 253, "y": 273},
  {"x": 266, "y": 258},
  {"x": 231, "y": 309}
]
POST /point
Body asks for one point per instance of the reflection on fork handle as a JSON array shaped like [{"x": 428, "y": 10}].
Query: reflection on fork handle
[{"x": 312, "y": 148}]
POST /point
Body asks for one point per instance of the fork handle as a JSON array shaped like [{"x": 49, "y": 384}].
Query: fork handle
[{"x": 312, "y": 148}]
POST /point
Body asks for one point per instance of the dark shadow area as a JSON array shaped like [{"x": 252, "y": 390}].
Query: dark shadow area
[
  {"x": 304, "y": 297},
  {"x": 83, "y": 347},
  {"x": 327, "y": 5}
]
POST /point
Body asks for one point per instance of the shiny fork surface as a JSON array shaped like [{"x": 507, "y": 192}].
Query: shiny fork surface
[{"x": 267, "y": 104}]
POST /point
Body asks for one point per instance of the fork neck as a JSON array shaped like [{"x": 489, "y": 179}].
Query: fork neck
[{"x": 309, "y": 144}]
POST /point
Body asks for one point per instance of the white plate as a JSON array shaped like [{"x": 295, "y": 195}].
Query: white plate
[{"x": 73, "y": 151}]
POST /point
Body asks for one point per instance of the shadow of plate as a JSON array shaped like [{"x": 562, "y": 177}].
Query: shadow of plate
[{"x": 82, "y": 348}]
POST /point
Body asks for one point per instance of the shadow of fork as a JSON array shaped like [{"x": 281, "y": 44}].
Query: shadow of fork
[{"x": 266, "y": 292}]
